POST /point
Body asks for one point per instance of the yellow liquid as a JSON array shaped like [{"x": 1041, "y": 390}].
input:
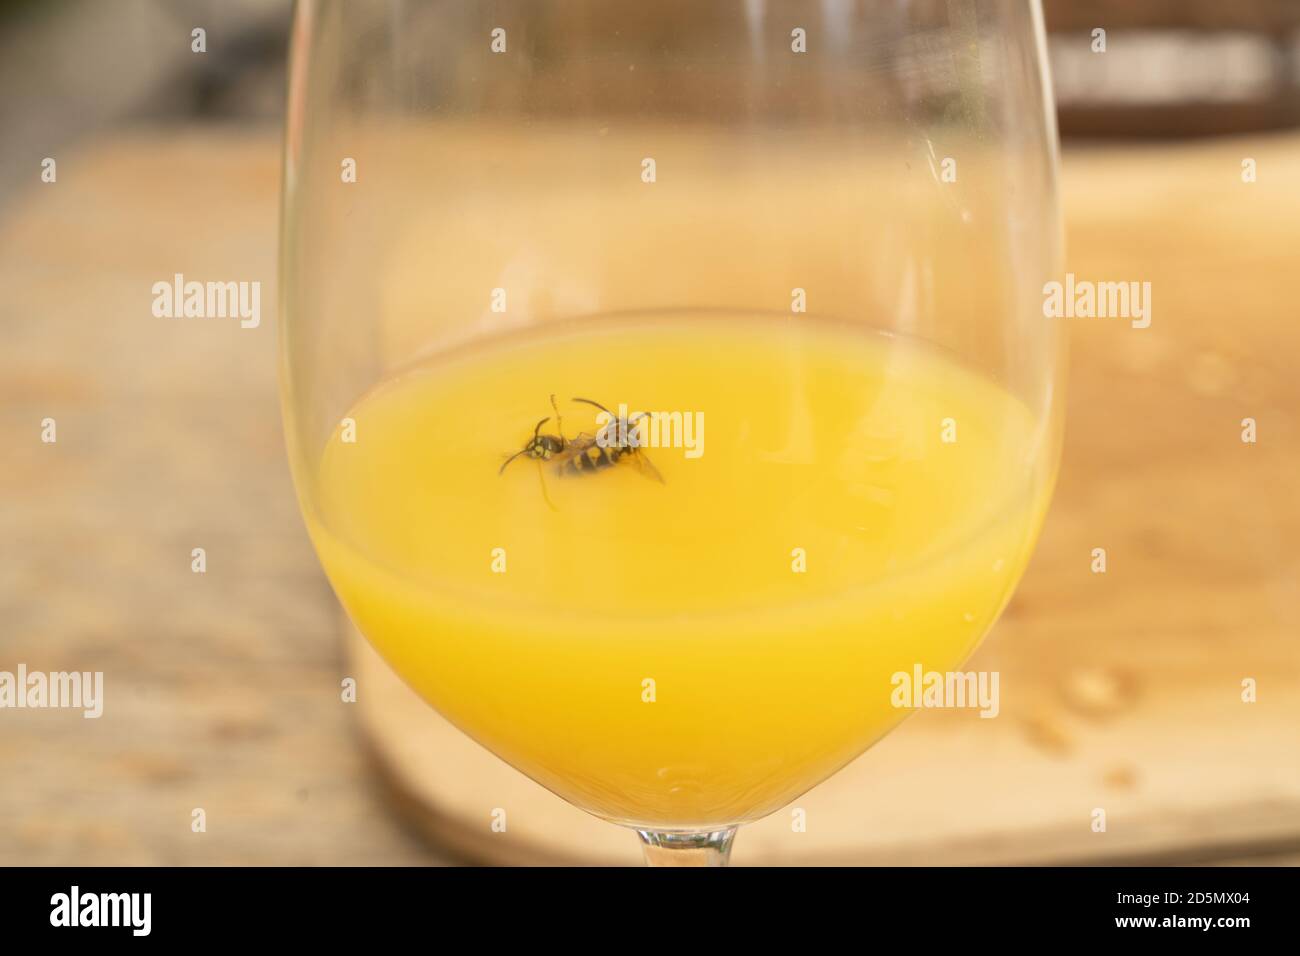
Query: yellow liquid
[{"x": 697, "y": 652}]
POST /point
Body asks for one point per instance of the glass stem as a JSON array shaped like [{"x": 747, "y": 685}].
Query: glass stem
[{"x": 687, "y": 849}]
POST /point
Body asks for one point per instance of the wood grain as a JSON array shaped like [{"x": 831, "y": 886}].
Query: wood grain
[{"x": 223, "y": 688}]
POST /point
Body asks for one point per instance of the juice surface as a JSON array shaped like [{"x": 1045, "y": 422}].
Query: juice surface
[{"x": 698, "y": 651}]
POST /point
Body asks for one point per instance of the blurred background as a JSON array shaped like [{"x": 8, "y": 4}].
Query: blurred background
[{"x": 223, "y": 689}]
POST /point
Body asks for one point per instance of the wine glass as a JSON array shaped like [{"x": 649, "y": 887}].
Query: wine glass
[{"x": 666, "y": 386}]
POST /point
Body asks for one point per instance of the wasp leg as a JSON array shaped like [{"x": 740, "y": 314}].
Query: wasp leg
[
  {"x": 541, "y": 477},
  {"x": 559, "y": 422}
]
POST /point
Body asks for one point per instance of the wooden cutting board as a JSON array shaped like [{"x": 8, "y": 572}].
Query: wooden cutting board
[
  {"x": 222, "y": 689},
  {"x": 1126, "y": 685}
]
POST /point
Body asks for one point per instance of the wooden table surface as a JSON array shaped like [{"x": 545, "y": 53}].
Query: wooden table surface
[{"x": 222, "y": 688}]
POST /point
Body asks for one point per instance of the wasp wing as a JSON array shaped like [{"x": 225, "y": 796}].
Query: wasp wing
[{"x": 645, "y": 466}]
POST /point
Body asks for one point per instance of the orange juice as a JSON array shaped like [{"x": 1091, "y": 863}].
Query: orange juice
[{"x": 694, "y": 652}]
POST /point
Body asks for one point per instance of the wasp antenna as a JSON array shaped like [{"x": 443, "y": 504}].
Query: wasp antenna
[
  {"x": 588, "y": 401},
  {"x": 538, "y": 427},
  {"x": 502, "y": 470}
]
